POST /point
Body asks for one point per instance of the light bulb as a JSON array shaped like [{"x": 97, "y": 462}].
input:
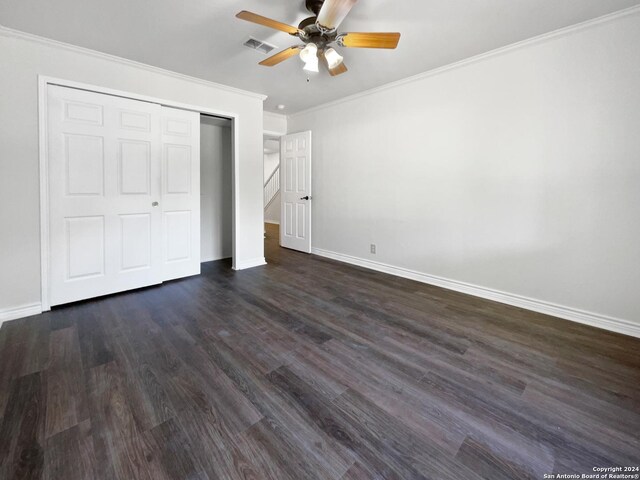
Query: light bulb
[
  {"x": 333, "y": 58},
  {"x": 311, "y": 65},
  {"x": 309, "y": 52}
]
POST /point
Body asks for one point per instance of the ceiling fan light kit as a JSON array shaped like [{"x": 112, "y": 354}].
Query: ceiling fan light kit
[
  {"x": 309, "y": 55},
  {"x": 311, "y": 66},
  {"x": 333, "y": 58},
  {"x": 318, "y": 34},
  {"x": 309, "y": 52}
]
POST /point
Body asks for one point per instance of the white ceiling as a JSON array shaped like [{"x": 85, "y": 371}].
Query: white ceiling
[{"x": 204, "y": 39}]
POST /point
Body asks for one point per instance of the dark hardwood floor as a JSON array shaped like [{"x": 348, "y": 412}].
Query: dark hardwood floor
[{"x": 311, "y": 369}]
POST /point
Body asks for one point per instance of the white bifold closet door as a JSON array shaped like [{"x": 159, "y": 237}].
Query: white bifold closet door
[
  {"x": 113, "y": 165},
  {"x": 180, "y": 193}
]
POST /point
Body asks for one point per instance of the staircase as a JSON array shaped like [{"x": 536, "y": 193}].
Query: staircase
[{"x": 271, "y": 187}]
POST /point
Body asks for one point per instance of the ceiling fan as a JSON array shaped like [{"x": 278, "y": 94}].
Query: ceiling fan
[{"x": 319, "y": 32}]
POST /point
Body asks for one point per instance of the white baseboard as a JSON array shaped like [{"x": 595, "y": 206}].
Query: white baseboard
[
  {"x": 588, "y": 318},
  {"x": 214, "y": 259},
  {"x": 20, "y": 312},
  {"x": 271, "y": 222},
  {"x": 254, "y": 262}
]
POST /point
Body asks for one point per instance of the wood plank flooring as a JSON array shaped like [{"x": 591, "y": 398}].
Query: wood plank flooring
[{"x": 311, "y": 369}]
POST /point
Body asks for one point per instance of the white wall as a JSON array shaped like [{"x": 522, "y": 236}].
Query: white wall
[
  {"x": 517, "y": 172},
  {"x": 274, "y": 123},
  {"x": 23, "y": 58},
  {"x": 216, "y": 177},
  {"x": 272, "y": 212}
]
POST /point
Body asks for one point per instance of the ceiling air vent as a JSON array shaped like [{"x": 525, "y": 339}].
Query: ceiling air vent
[{"x": 262, "y": 47}]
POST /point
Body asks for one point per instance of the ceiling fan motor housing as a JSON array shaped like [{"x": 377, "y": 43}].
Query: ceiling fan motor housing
[
  {"x": 307, "y": 22},
  {"x": 312, "y": 33},
  {"x": 314, "y": 6}
]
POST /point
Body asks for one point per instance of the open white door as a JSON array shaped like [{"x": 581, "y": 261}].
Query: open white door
[
  {"x": 295, "y": 189},
  {"x": 104, "y": 179},
  {"x": 180, "y": 193}
]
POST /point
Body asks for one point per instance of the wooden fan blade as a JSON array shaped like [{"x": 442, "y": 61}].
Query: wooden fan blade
[
  {"x": 267, "y": 22},
  {"x": 339, "y": 70},
  {"x": 333, "y": 12},
  {"x": 280, "y": 57},
  {"x": 370, "y": 40},
  {"x": 334, "y": 72}
]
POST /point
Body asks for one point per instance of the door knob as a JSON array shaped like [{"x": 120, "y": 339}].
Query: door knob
[
  {"x": 154, "y": 204},
  {"x": 306, "y": 197}
]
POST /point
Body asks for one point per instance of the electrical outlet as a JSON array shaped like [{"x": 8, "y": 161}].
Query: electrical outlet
[{"x": 373, "y": 248}]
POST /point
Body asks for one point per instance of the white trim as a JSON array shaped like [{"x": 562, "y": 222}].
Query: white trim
[
  {"x": 254, "y": 262},
  {"x": 280, "y": 116},
  {"x": 271, "y": 222},
  {"x": 213, "y": 259},
  {"x": 10, "y": 32},
  {"x": 235, "y": 188},
  {"x": 275, "y": 116},
  {"x": 580, "y": 316},
  {"x": 43, "y": 159},
  {"x": 476, "y": 58},
  {"x": 271, "y": 133},
  {"x": 43, "y": 81},
  {"x": 20, "y": 312}
]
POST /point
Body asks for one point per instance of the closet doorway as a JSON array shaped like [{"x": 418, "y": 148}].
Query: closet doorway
[
  {"x": 216, "y": 180},
  {"x": 121, "y": 191}
]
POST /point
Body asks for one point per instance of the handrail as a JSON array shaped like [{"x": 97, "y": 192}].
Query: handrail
[
  {"x": 277, "y": 169},
  {"x": 271, "y": 187}
]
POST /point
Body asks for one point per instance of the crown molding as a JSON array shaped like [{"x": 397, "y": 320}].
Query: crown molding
[
  {"x": 11, "y": 33},
  {"x": 274, "y": 114},
  {"x": 561, "y": 32}
]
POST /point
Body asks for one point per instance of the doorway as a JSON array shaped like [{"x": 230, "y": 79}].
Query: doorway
[
  {"x": 271, "y": 155},
  {"x": 295, "y": 179},
  {"x": 135, "y": 218},
  {"x": 287, "y": 189}
]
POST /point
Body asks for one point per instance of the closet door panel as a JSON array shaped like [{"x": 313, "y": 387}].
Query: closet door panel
[
  {"x": 180, "y": 193},
  {"x": 104, "y": 158}
]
